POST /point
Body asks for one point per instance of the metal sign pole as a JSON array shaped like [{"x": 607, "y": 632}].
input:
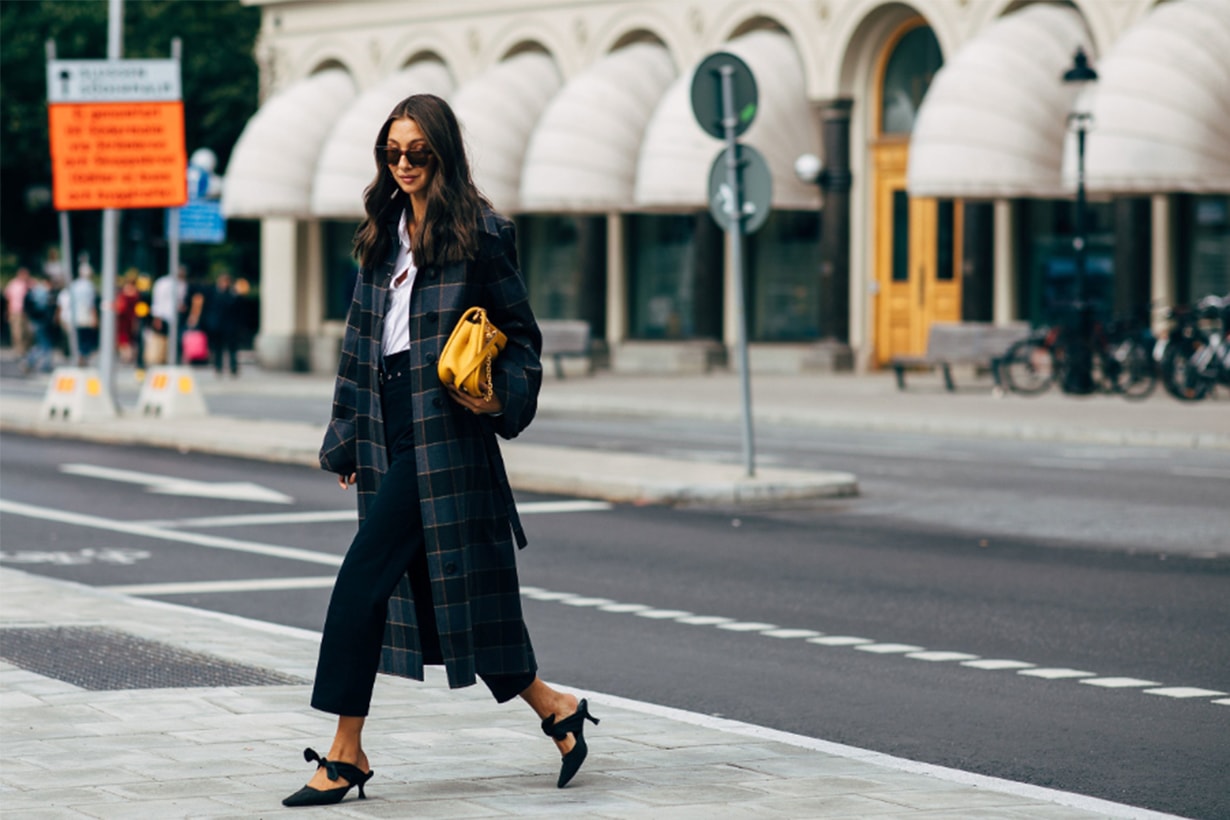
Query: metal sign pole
[
  {"x": 735, "y": 232},
  {"x": 66, "y": 260},
  {"x": 110, "y": 231},
  {"x": 173, "y": 261}
]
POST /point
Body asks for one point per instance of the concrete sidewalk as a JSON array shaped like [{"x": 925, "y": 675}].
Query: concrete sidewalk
[{"x": 233, "y": 749}]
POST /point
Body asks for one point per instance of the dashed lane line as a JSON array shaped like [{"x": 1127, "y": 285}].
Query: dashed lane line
[{"x": 874, "y": 647}]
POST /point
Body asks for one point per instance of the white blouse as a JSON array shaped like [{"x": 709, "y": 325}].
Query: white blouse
[{"x": 396, "y": 337}]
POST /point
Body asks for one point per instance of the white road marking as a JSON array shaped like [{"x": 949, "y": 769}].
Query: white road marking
[
  {"x": 63, "y": 558},
  {"x": 352, "y": 515},
  {"x": 1187, "y": 692},
  {"x": 1120, "y": 683},
  {"x": 791, "y": 633},
  {"x": 197, "y": 587},
  {"x": 940, "y": 657},
  {"x": 840, "y": 640},
  {"x": 258, "y": 519},
  {"x": 624, "y": 607},
  {"x": 1057, "y": 673},
  {"x": 586, "y": 601},
  {"x": 747, "y": 626},
  {"x": 1223, "y": 702},
  {"x": 197, "y": 539},
  {"x": 994, "y": 664},
  {"x": 662, "y": 614},
  {"x": 871, "y": 646},
  {"x": 175, "y": 485},
  {"x": 888, "y": 648}
]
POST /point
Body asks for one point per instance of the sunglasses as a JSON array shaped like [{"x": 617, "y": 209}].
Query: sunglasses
[{"x": 392, "y": 155}]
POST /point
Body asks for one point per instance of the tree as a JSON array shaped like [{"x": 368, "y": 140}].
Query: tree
[{"x": 220, "y": 82}]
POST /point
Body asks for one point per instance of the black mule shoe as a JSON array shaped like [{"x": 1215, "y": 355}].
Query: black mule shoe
[
  {"x": 307, "y": 796},
  {"x": 575, "y": 724}
]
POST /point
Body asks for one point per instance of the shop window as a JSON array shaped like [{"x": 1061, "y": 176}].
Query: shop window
[
  {"x": 1047, "y": 260},
  {"x": 341, "y": 269},
  {"x": 674, "y": 266},
  {"x": 1203, "y": 247},
  {"x": 563, "y": 260},
  {"x": 907, "y": 76},
  {"x": 784, "y": 275}
]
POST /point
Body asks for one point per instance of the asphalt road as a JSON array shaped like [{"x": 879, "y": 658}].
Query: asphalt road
[{"x": 910, "y": 568}]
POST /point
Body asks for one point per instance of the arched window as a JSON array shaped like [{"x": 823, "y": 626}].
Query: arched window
[{"x": 907, "y": 76}]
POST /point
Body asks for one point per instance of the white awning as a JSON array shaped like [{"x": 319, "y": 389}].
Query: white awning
[
  {"x": 1161, "y": 105},
  {"x": 673, "y": 169},
  {"x": 271, "y": 169},
  {"x": 582, "y": 156},
  {"x": 346, "y": 166},
  {"x": 498, "y": 111},
  {"x": 993, "y": 122}
]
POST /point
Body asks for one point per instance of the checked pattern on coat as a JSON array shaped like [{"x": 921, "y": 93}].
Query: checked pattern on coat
[{"x": 469, "y": 519}]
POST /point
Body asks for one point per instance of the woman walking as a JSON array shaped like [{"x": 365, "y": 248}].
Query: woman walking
[{"x": 430, "y": 576}]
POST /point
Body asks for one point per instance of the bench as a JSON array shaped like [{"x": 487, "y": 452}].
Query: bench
[
  {"x": 563, "y": 338},
  {"x": 980, "y": 344}
]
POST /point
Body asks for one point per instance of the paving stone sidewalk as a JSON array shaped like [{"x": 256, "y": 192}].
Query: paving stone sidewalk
[{"x": 235, "y": 751}]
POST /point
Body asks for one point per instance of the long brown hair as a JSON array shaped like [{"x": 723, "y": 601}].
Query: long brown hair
[{"x": 448, "y": 231}]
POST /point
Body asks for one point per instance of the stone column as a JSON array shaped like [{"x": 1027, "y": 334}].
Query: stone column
[
  {"x": 279, "y": 252},
  {"x": 833, "y": 351},
  {"x": 1004, "y": 301},
  {"x": 1162, "y": 279}
]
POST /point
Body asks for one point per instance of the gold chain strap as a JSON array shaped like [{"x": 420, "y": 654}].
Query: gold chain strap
[{"x": 490, "y": 357}]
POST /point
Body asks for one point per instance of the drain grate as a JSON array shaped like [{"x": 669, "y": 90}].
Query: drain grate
[{"x": 103, "y": 659}]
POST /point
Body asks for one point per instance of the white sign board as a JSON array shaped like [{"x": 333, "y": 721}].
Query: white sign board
[{"x": 88, "y": 81}]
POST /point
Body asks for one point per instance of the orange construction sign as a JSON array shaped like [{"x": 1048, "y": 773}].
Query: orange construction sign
[{"x": 118, "y": 155}]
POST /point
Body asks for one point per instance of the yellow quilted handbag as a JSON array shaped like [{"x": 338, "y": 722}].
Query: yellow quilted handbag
[{"x": 466, "y": 359}]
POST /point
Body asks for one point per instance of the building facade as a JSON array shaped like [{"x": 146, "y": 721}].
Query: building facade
[{"x": 942, "y": 126}]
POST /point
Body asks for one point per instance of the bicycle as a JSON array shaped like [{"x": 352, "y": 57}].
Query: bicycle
[
  {"x": 1195, "y": 355},
  {"x": 1120, "y": 356}
]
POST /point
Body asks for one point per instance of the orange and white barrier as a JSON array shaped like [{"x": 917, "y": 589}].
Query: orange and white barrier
[
  {"x": 77, "y": 394},
  {"x": 171, "y": 392}
]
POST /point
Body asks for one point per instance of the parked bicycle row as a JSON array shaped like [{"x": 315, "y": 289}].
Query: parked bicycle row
[{"x": 1191, "y": 358}]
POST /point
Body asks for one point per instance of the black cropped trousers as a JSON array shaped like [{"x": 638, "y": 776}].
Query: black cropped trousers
[{"x": 383, "y": 550}]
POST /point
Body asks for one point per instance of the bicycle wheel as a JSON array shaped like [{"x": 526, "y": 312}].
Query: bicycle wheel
[
  {"x": 1134, "y": 370},
  {"x": 1180, "y": 375},
  {"x": 1028, "y": 368}
]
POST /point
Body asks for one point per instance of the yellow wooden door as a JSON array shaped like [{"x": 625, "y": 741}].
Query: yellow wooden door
[{"x": 916, "y": 258}]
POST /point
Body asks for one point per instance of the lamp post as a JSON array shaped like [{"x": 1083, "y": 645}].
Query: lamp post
[{"x": 1078, "y": 377}]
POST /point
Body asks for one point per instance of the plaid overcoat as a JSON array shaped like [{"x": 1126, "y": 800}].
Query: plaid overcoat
[{"x": 469, "y": 519}]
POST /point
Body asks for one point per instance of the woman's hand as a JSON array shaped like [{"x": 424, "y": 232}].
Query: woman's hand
[
  {"x": 344, "y": 481},
  {"x": 477, "y": 406}
]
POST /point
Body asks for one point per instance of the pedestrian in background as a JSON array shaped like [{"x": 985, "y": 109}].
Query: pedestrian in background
[
  {"x": 40, "y": 309},
  {"x": 15, "y": 307},
  {"x": 168, "y": 301},
  {"x": 84, "y": 300},
  {"x": 221, "y": 321},
  {"x": 126, "y": 330},
  {"x": 430, "y": 577}
]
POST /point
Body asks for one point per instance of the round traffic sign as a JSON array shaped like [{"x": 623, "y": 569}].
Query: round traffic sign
[
  {"x": 707, "y": 94},
  {"x": 749, "y": 207}
]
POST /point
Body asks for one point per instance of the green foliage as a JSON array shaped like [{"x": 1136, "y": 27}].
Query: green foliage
[{"x": 220, "y": 85}]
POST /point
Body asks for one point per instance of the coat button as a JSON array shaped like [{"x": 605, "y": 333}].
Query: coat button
[
  {"x": 436, "y": 402},
  {"x": 432, "y": 317},
  {"x": 431, "y": 358},
  {"x": 450, "y": 568},
  {"x": 433, "y": 273}
]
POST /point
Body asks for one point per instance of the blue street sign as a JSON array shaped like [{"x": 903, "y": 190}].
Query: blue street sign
[{"x": 201, "y": 221}]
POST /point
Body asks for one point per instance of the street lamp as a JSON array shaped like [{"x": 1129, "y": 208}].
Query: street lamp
[{"x": 1079, "y": 370}]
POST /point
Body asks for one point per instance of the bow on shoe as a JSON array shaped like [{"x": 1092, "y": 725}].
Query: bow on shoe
[{"x": 310, "y": 755}]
